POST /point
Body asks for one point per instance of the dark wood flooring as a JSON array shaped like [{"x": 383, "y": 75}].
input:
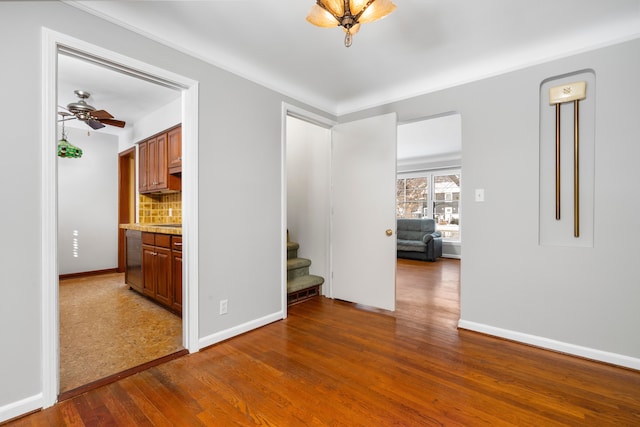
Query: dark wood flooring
[{"x": 331, "y": 363}]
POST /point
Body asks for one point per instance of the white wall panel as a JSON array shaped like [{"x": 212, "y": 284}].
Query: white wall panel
[
  {"x": 308, "y": 192},
  {"x": 88, "y": 204}
]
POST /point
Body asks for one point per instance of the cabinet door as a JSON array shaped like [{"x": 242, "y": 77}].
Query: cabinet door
[
  {"x": 152, "y": 163},
  {"x": 163, "y": 275},
  {"x": 176, "y": 273},
  {"x": 149, "y": 270},
  {"x": 143, "y": 167},
  {"x": 174, "y": 150},
  {"x": 161, "y": 167}
]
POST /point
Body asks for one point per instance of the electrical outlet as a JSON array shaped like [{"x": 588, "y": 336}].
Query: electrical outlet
[
  {"x": 223, "y": 306},
  {"x": 479, "y": 195}
]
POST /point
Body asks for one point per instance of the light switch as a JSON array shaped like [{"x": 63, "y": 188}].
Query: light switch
[{"x": 479, "y": 194}]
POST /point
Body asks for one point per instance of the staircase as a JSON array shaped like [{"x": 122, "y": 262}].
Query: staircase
[{"x": 300, "y": 284}]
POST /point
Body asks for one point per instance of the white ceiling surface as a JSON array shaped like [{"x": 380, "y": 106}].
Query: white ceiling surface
[
  {"x": 125, "y": 97},
  {"x": 435, "y": 139},
  {"x": 425, "y": 45}
]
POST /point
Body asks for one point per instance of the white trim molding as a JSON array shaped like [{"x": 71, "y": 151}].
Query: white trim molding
[
  {"x": 20, "y": 407},
  {"x": 190, "y": 216},
  {"x": 49, "y": 250},
  {"x": 53, "y": 43},
  {"x": 240, "y": 329},
  {"x": 549, "y": 344}
]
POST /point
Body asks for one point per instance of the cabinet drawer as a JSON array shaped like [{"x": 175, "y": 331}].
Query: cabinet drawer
[
  {"x": 176, "y": 243},
  {"x": 163, "y": 240},
  {"x": 157, "y": 239},
  {"x": 148, "y": 239}
]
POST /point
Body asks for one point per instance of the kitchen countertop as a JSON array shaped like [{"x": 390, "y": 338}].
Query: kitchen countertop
[{"x": 175, "y": 229}]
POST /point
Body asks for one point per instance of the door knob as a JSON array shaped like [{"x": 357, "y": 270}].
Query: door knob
[{"x": 389, "y": 232}]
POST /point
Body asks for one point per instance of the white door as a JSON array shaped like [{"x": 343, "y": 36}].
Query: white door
[{"x": 363, "y": 180}]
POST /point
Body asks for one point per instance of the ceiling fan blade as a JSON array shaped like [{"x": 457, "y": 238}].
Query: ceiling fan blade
[
  {"x": 95, "y": 124},
  {"x": 113, "y": 122},
  {"x": 101, "y": 114}
]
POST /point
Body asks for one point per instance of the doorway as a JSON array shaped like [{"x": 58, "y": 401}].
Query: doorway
[
  {"x": 434, "y": 143},
  {"x": 53, "y": 44},
  {"x": 429, "y": 164},
  {"x": 126, "y": 199},
  {"x": 308, "y": 155},
  {"x": 104, "y": 326},
  {"x": 366, "y": 146}
]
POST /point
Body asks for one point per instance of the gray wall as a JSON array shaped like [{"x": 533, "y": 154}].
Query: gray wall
[{"x": 583, "y": 300}]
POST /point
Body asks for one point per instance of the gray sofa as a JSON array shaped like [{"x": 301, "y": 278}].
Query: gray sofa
[{"x": 418, "y": 239}]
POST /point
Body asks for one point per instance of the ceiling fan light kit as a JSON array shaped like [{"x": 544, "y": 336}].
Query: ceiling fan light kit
[
  {"x": 96, "y": 119},
  {"x": 348, "y": 14},
  {"x": 65, "y": 149},
  {"x": 81, "y": 110}
]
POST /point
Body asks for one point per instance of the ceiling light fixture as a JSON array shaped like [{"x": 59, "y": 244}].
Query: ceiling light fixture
[
  {"x": 348, "y": 14},
  {"x": 65, "y": 149}
]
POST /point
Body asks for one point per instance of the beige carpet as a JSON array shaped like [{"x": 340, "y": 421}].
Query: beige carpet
[{"x": 105, "y": 328}]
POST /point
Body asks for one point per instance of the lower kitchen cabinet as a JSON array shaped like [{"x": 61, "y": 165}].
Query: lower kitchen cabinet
[
  {"x": 159, "y": 276},
  {"x": 176, "y": 273}
]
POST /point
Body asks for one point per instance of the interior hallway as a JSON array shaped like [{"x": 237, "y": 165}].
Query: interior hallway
[{"x": 105, "y": 328}]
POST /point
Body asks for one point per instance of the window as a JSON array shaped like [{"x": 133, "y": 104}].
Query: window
[{"x": 433, "y": 195}]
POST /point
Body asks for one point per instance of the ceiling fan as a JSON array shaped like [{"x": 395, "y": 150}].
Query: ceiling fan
[{"x": 81, "y": 110}]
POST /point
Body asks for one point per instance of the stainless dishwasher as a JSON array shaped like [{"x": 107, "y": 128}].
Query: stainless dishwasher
[{"x": 133, "y": 271}]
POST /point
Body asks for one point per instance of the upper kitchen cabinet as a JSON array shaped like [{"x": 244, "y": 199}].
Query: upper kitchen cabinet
[
  {"x": 154, "y": 162},
  {"x": 174, "y": 139}
]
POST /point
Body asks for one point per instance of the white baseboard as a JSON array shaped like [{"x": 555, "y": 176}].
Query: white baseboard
[
  {"x": 21, "y": 407},
  {"x": 563, "y": 347},
  {"x": 240, "y": 329}
]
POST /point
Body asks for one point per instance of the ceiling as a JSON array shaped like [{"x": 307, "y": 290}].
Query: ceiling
[
  {"x": 425, "y": 45},
  {"x": 125, "y": 97},
  {"x": 435, "y": 139}
]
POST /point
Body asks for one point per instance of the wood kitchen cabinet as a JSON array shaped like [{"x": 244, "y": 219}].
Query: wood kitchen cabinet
[
  {"x": 143, "y": 167},
  {"x": 153, "y": 166},
  {"x": 174, "y": 150},
  {"x": 176, "y": 273},
  {"x": 156, "y": 267},
  {"x": 162, "y": 269}
]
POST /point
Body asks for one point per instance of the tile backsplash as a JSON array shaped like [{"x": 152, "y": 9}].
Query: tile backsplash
[{"x": 155, "y": 208}]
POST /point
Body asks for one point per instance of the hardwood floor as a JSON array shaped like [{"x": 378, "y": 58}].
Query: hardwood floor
[{"x": 334, "y": 363}]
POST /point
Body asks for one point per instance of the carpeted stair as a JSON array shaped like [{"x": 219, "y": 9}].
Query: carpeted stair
[{"x": 300, "y": 284}]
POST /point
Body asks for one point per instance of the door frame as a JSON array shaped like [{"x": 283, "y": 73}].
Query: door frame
[
  {"x": 289, "y": 110},
  {"x": 126, "y": 192},
  {"x": 52, "y": 43}
]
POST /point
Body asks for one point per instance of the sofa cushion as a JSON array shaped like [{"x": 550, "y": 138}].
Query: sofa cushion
[{"x": 411, "y": 245}]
